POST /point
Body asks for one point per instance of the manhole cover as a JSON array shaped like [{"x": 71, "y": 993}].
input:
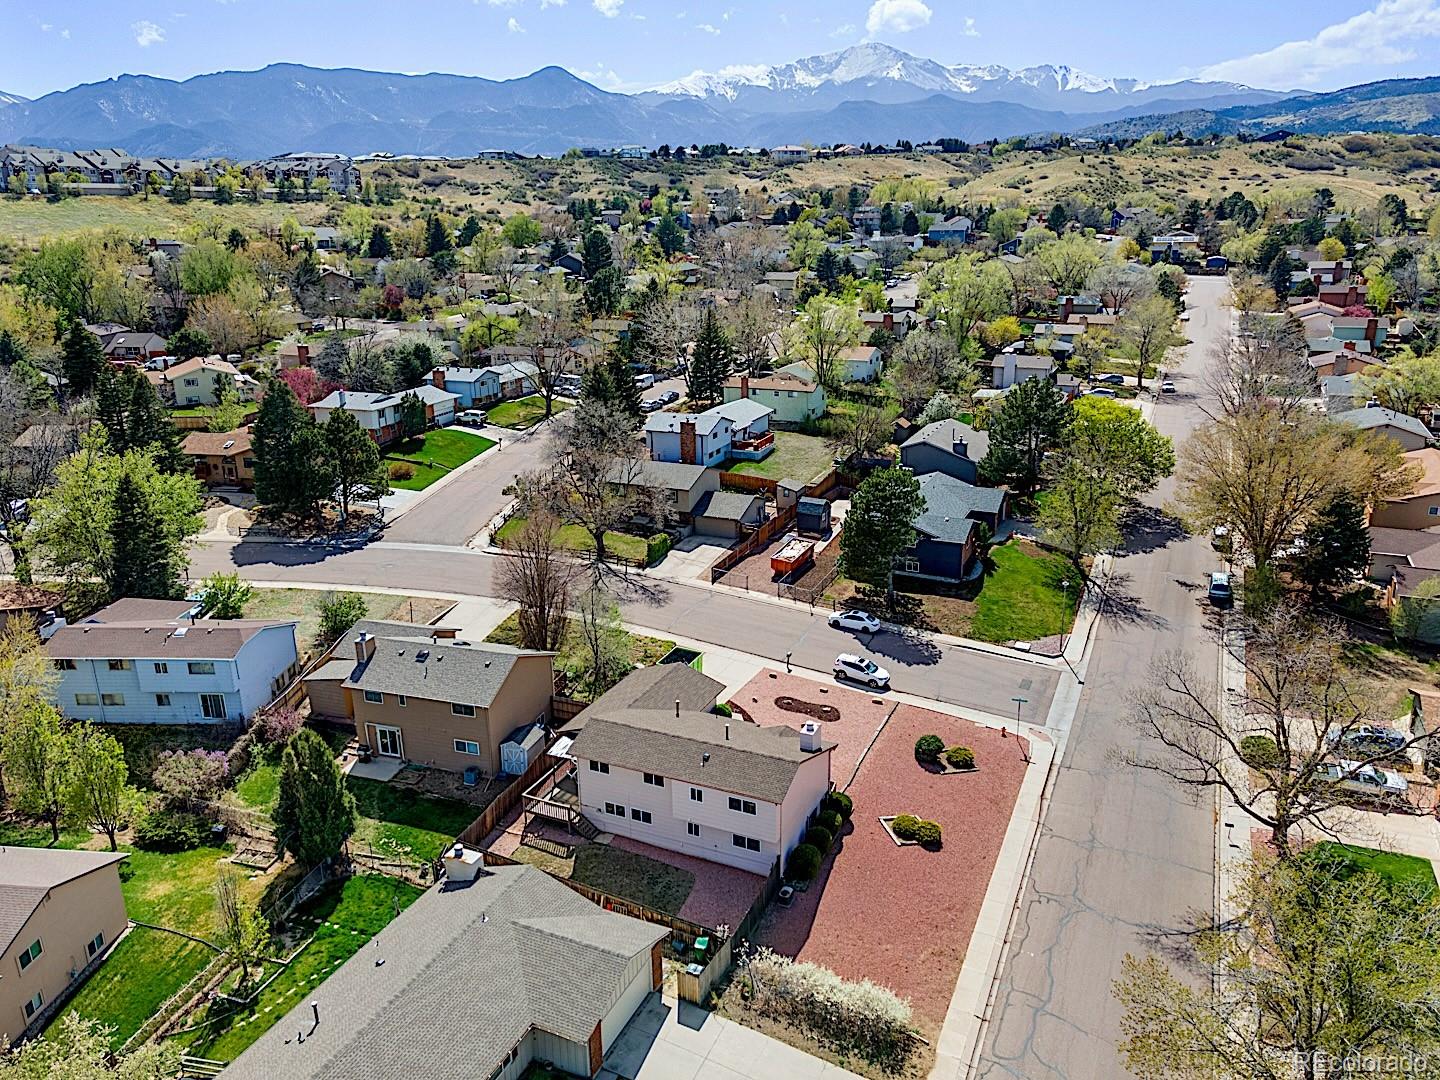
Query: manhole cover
[{"x": 1026, "y": 684}]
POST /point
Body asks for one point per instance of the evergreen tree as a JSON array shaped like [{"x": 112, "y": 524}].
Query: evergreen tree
[
  {"x": 11, "y": 351},
  {"x": 469, "y": 230},
  {"x": 354, "y": 461},
  {"x": 134, "y": 418},
  {"x": 710, "y": 364},
  {"x": 1056, "y": 219},
  {"x": 1335, "y": 547},
  {"x": 291, "y": 470},
  {"x": 1033, "y": 419},
  {"x": 379, "y": 246},
  {"x": 605, "y": 292},
  {"x": 82, "y": 359},
  {"x": 910, "y": 224},
  {"x": 627, "y": 391},
  {"x": 141, "y": 560},
  {"x": 314, "y": 814},
  {"x": 412, "y": 416},
  {"x": 880, "y": 526},
  {"x": 670, "y": 236},
  {"x": 437, "y": 236},
  {"x": 187, "y": 343},
  {"x": 596, "y": 252},
  {"x": 597, "y": 386},
  {"x": 1278, "y": 275},
  {"x": 827, "y": 270},
  {"x": 888, "y": 222}
]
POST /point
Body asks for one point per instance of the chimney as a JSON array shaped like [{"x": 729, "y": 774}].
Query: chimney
[
  {"x": 689, "y": 453},
  {"x": 1066, "y": 307},
  {"x": 364, "y": 648},
  {"x": 342, "y": 398},
  {"x": 809, "y": 736},
  {"x": 438, "y": 377},
  {"x": 302, "y": 354},
  {"x": 744, "y": 386},
  {"x": 958, "y": 446},
  {"x": 1372, "y": 327}
]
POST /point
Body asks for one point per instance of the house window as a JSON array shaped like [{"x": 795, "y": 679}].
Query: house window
[
  {"x": 614, "y": 809},
  {"x": 213, "y": 706},
  {"x": 467, "y": 746},
  {"x": 653, "y": 780},
  {"x": 112, "y": 699},
  {"x": 401, "y": 700},
  {"x": 87, "y": 699},
  {"x": 162, "y": 668},
  {"x": 696, "y": 795},
  {"x": 192, "y": 382},
  {"x": 118, "y": 665},
  {"x": 64, "y": 665},
  {"x": 642, "y": 816},
  {"x": 742, "y": 806},
  {"x": 692, "y": 828},
  {"x": 95, "y": 945},
  {"x": 201, "y": 667},
  {"x": 600, "y": 767},
  {"x": 30, "y": 955},
  {"x": 749, "y": 843},
  {"x": 33, "y": 1005},
  {"x": 162, "y": 700},
  {"x": 375, "y": 697},
  {"x": 462, "y": 710},
  {"x": 1435, "y": 511}
]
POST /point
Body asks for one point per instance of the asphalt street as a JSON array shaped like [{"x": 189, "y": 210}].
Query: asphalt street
[{"x": 1124, "y": 855}]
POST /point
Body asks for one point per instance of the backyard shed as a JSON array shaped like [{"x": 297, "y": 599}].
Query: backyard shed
[
  {"x": 728, "y": 513},
  {"x": 325, "y": 687},
  {"x": 521, "y": 747},
  {"x": 813, "y": 516}
]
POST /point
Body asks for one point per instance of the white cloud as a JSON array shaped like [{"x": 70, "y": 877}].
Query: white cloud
[
  {"x": 1383, "y": 35},
  {"x": 602, "y": 76},
  {"x": 147, "y": 33},
  {"x": 844, "y": 30},
  {"x": 897, "y": 16},
  {"x": 499, "y": 3},
  {"x": 551, "y": 3},
  {"x": 608, "y": 8},
  {"x": 970, "y": 30},
  {"x": 706, "y": 28},
  {"x": 45, "y": 28},
  {"x": 65, "y": 34},
  {"x": 513, "y": 25}
]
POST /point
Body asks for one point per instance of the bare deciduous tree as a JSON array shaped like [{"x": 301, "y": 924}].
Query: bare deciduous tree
[
  {"x": 548, "y": 333},
  {"x": 33, "y": 443},
  {"x": 754, "y": 323},
  {"x": 536, "y": 575},
  {"x": 1266, "y": 363},
  {"x": 863, "y": 430}
]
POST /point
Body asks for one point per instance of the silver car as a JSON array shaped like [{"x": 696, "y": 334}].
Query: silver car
[
  {"x": 1366, "y": 782},
  {"x": 862, "y": 621}
]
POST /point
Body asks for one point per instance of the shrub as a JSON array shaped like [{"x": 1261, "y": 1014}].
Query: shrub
[
  {"x": 960, "y": 757},
  {"x": 928, "y": 748},
  {"x": 723, "y": 708},
  {"x": 339, "y": 612},
  {"x": 162, "y": 828},
  {"x": 928, "y": 834},
  {"x": 656, "y": 548},
  {"x": 837, "y": 802},
  {"x": 830, "y": 821},
  {"x": 277, "y": 725},
  {"x": 804, "y": 863},
  {"x": 910, "y": 827},
  {"x": 819, "y": 838},
  {"x": 192, "y": 774},
  {"x": 401, "y": 470},
  {"x": 1259, "y": 751}
]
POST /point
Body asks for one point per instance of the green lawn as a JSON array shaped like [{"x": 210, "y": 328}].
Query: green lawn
[
  {"x": 303, "y": 605},
  {"x": 795, "y": 457},
  {"x": 349, "y": 916},
  {"x": 33, "y": 219},
  {"x": 618, "y": 872},
  {"x": 403, "y": 824},
  {"x": 1022, "y": 597},
  {"x": 522, "y": 412},
  {"x": 575, "y": 538},
  {"x": 259, "y": 788},
  {"x": 435, "y": 454},
  {"x": 644, "y": 651},
  {"x": 1410, "y": 870}
]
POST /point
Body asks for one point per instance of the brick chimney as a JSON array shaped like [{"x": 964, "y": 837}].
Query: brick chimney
[
  {"x": 1066, "y": 307},
  {"x": 688, "y": 443},
  {"x": 744, "y": 386},
  {"x": 1372, "y": 329},
  {"x": 437, "y": 377},
  {"x": 302, "y": 354}
]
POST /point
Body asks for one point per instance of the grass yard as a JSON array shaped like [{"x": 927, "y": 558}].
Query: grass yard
[
  {"x": 622, "y": 873},
  {"x": 1406, "y": 870},
  {"x": 1384, "y": 671},
  {"x": 31, "y": 219},
  {"x": 347, "y": 918},
  {"x": 433, "y": 455},
  {"x": 402, "y": 823},
  {"x": 574, "y": 538},
  {"x": 1022, "y": 597},
  {"x": 259, "y": 788},
  {"x": 303, "y": 605},
  {"x": 522, "y": 412},
  {"x": 796, "y": 457},
  {"x": 644, "y": 651}
]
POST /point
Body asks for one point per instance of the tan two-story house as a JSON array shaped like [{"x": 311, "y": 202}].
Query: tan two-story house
[{"x": 425, "y": 695}]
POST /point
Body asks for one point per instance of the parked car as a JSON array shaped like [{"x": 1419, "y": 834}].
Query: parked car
[
  {"x": 1366, "y": 741},
  {"x": 1219, "y": 591},
  {"x": 1167, "y": 387},
  {"x": 651, "y": 405},
  {"x": 858, "y": 669},
  {"x": 1101, "y": 391},
  {"x": 471, "y": 418},
  {"x": 1367, "y": 782},
  {"x": 669, "y": 397},
  {"x": 1112, "y": 378},
  {"x": 645, "y": 381},
  {"x": 862, "y": 621}
]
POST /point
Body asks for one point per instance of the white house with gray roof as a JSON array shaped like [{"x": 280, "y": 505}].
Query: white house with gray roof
[
  {"x": 699, "y": 784},
  {"x": 1406, "y": 432},
  {"x": 736, "y": 429},
  {"x": 480, "y": 976}
]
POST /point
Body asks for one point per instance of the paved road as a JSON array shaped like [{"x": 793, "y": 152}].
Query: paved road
[{"x": 1123, "y": 854}]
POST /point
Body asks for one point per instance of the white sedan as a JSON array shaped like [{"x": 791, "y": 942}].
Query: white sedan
[{"x": 862, "y": 621}]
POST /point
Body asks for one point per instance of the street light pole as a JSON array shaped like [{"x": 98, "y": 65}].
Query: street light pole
[{"x": 1019, "y": 701}]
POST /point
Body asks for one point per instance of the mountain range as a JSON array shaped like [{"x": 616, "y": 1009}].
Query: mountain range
[{"x": 868, "y": 93}]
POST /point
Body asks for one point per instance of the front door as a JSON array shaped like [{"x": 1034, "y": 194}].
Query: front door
[{"x": 387, "y": 741}]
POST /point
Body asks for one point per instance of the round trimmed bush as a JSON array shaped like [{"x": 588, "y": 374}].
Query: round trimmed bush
[
  {"x": 161, "y": 828},
  {"x": 819, "y": 838},
  {"x": 830, "y": 821},
  {"x": 722, "y": 708},
  {"x": 928, "y": 749},
  {"x": 1259, "y": 751},
  {"x": 960, "y": 757},
  {"x": 928, "y": 834},
  {"x": 804, "y": 863},
  {"x": 837, "y": 802},
  {"x": 904, "y": 826}
]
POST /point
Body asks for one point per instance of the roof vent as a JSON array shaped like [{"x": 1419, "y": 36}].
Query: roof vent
[
  {"x": 181, "y": 631},
  {"x": 228, "y": 443}
]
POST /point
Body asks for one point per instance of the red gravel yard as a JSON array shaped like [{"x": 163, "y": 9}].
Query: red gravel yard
[
  {"x": 902, "y": 916},
  {"x": 860, "y": 714}
]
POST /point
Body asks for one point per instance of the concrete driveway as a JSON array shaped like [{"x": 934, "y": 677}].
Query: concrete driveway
[
  {"x": 674, "y": 1040},
  {"x": 692, "y": 558}
]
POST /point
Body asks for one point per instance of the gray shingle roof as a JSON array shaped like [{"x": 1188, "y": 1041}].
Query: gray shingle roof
[
  {"x": 949, "y": 504},
  {"x": 28, "y": 874},
  {"x": 204, "y": 640},
  {"x": 670, "y": 475},
  {"x": 468, "y": 970},
  {"x": 1374, "y": 416},
  {"x": 657, "y": 687},
  {"x": 705, "y": 422},
  {"x": 757, "y": 761},
  {"x": 416, "y": 665},
  {"x": 725, "y": 505},
  {"x": 944, "y": 434}
]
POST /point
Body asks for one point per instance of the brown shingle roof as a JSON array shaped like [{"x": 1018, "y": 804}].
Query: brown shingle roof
[
  {"x": 14, "y": 597},
  {"x": 213, "y": 443},
  {"x": 780, "y": 380},
  {"x": 28, "y": 874}
]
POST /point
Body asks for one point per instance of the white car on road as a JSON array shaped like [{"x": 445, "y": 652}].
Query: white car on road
[
  {"x": 858, "y": 669},
  {"x": 862, "y": 621}
]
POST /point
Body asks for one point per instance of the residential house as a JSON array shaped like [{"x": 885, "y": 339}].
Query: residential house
[
  {"x": 136, "y": 345},
  {"x": 682, "y": 486},
  {"x": 1340, "y": 362},
  {"x": 482, "y": 386},
  {"x": 1012, "y": 368},
  {"x": 41, "y": 606},
  {"x": 1304, "y": 307},
  {"x": 946, "y": 446},
  {"x": 1403, "y": 551},
  {"x": 657, "y": 687},
  {"x": 151, "y": 662},
  {"x": 955, "y": 230},
  {"x": 1070, "y": 306},
  {"x": 896, "y": 323},
  {"x": 737, "y": 429},
  {"x": 1323, "y": 272},
  {"x": 1174, "y": 247},
  {"x": 1406, "y": 432},
  {"x": 293, "y": 354},
  {"x": 424, "y": 694},
  {"x": 1369, "y": 329},
  {"x": 379, "y": 414},
  {"x": 325, "y": 238},
  {"x": 784, "y": 283},
  {"x": 62, "y": 910},
  {"x": 867, "y": 218},
  {"x": 1343, "y": 295},
  {"x": 946, "y": 543},
  {"x": 1420, "y": 509},
  {"x": 1341, "y": 393},
  {"x": 493, "y": 969},
  {"x": 199, "y": 381},
  {"x": 702, "y": 785},
  {"x": 339, "y": 172},
  {"x": 857, "y": 363},
  {"x": 789, "y": 155},
  {"x": 222, "y": 459},
  {"x": 794, "y": 400}
]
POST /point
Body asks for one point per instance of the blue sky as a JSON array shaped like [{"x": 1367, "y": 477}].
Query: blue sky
[{"x": 632, "y": 44}]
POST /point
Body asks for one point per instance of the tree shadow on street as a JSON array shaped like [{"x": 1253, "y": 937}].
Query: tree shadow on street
[
  {"x": 1149, "y": 528},
  {"x": 1121, "y": 603}
]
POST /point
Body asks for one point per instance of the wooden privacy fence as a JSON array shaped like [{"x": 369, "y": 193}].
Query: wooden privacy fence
[
  {"x": 730, "y": 481},
  {"x": 757, "y": 541},
  {"x": 565, "y": 709},
  {"x": 475, "y": 833},
  {"x": 720, "y": 960}
]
